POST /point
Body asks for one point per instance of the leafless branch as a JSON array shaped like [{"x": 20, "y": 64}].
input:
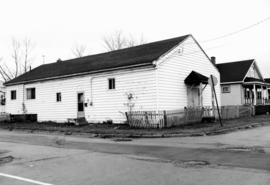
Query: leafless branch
[
  {"x": 21, "y": 59},
  {"x": 119, "y": 41},
  {"x": 79, "y": 50}
]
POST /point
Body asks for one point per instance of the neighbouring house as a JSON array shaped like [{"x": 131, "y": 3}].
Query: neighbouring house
[
  {"x": 2, "y": 98},
  {"x": 242, "y": 84},
  {"x": 267, "y": 80},
  {"x": 164, "y": 75}
]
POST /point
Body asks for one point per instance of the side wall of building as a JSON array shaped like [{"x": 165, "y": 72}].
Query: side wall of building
[
  {"x": 102, "y": 104},
  {"x": 175, "y": 67},
  {"x": 234, "y": 97}
]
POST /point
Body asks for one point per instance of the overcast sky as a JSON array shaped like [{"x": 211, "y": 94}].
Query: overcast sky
[{"x": 57, "y": 25}]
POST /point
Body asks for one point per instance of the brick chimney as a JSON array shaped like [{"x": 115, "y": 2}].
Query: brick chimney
[{"x": 213, "y": 60}]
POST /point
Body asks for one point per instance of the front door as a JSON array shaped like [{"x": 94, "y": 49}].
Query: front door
[
  {"x": 193, "y": 94},
  {"x": 80, "y": 98}
]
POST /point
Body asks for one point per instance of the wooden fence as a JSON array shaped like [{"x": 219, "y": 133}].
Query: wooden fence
[{"x": 161, "y": 119}]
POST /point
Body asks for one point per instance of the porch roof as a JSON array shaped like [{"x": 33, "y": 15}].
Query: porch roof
[
  {"x": 249, "y": 80},
  {"x": 195, "y": 78}
]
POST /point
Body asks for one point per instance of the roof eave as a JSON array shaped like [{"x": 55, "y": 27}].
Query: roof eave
[{"x": 80, "y": 74}]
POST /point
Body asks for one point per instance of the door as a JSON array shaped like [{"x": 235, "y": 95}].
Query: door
[
  {"x": 193, "y": 96},
  {"x": 80, "y": 98}
]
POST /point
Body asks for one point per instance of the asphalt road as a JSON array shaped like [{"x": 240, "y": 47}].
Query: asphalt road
[{"x": 50, "y": 159}]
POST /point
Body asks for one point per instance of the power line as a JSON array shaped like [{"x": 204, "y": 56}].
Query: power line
[{"x": 238, "y": 31}]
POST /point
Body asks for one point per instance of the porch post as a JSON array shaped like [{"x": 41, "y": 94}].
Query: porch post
[
  {"x": 266, "y": 94},
  {"x": 262, "y": 94},
  {"x": 255, "y": 94}
]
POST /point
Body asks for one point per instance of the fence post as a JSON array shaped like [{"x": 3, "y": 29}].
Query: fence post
[
  {"x": 165, "y": 118},
  {"x": 146, "y": 118},
  {"x": 186, "y": 115},
  {"x": 238, "y": 111}
]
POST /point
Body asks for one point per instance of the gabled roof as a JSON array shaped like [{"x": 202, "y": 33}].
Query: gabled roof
[
  {"x": 234, "y": 71},
  {"x": 139, "y": 55}
]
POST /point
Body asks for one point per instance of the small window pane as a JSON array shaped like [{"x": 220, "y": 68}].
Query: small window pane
[
  {"x": 58, "y": 97},
  {"x": 13, "y": 95},
  {"x": 111, "y": 83},
  {"x": 226, "y": 89},
  {"x": 30, "y": 93}
]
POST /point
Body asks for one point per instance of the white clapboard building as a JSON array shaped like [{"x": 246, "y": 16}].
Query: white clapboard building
[{"x": 164, "y": 75}]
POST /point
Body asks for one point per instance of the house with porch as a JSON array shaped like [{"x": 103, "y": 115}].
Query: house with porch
[
  {"x": 267, "y": 80},
  {"x": 243, "y": 84},
  {"x": 2, "y": 98},
  {"x": 164, "y": 75}
]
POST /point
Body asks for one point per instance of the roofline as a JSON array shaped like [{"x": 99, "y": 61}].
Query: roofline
[
  {"x": 255, "y": 82},
  {"x": 234, "y": 82},
  {"x": 244, "y": 60},
  {"x": 242, "y": 82},
  {"x": 170, "y": 50},
  {"x": 205, "y": 53},
  {"x": 254, "y": 62},
  {"x": 78, "y": 74}
]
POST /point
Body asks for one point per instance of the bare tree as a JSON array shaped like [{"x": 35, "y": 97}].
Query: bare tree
[
  {"x": 21, "y": 59},
  {"x": 28, "y": 46},
  {"x": 79, "y": 50},
  {"x": 16, "y": 56},
  {"x": 119, "y": 41}
]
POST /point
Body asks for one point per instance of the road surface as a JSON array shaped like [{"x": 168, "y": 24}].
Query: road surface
[{"x": 237, "y": 158}]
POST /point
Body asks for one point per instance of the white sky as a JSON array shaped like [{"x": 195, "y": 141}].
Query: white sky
[{"x": 57, "y": 25}]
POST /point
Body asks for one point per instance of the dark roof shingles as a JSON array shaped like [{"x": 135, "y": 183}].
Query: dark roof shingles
[
  {"x": 234, "y": 71},
  {"x": 267, "y": 80},
  {"x": 142, "y": 54}
]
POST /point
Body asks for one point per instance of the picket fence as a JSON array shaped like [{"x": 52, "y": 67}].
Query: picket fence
[{"x": 164, "y": 119}]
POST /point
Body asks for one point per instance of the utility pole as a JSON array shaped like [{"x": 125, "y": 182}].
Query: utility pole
[{"x": 214, "y": 91}]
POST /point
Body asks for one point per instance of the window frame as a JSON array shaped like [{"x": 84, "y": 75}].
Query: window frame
[
  {"x": 11, "y": 95},
  {"x": 111, "y": 84},
  {"x": 32, "y": 97},
  {"x": 227, "y": 86},
  {"x": 59, "y": 98}
]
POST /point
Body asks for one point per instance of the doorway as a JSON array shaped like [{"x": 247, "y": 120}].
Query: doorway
[
  {"x": 193, "y": 94},
  {"x": 80, "y": 99}
]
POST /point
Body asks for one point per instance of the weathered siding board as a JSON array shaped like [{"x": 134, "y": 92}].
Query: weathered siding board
[
  {"x": 111, "y": 104},
  {"x": 171, "y": 73},
  {"x": 107, "y": 104}
]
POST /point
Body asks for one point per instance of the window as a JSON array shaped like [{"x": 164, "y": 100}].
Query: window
[
  {"x": 111, "y": 83},
  {"x": 13, "y": 95},
  {"x": 226, "y": 89},
  {"x": 58, "y": 97},
  {"x": 30, "y": 93},
  {"x": 2, "y": 100}
]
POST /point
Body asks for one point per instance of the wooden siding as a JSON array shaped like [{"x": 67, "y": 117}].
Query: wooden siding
[
  {"x": 107, "y": 104},
  {"x": 175, "y": 67},
  {"x": 234, "y": 97}
]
